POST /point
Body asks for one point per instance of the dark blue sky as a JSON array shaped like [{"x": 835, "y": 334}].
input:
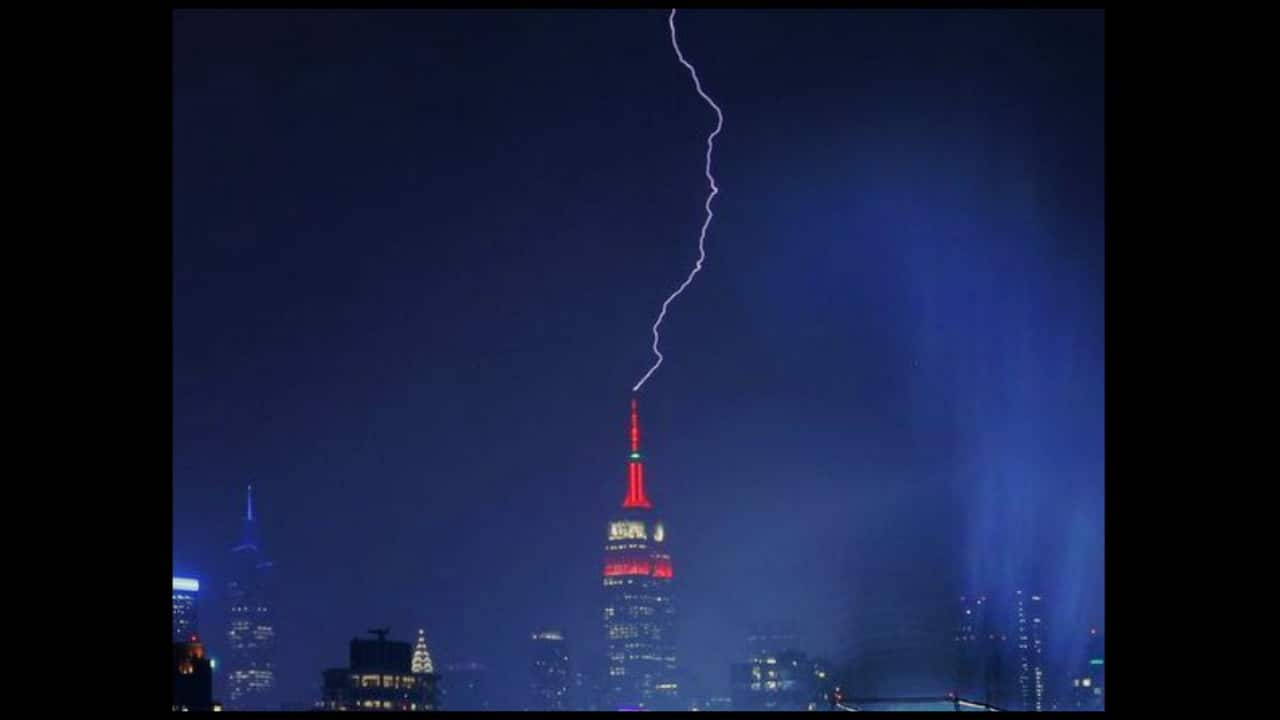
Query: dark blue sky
[{"x": 417, "y": 255}]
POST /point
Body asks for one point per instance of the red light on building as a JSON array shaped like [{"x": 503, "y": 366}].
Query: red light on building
[
  {"x": 632, "y": 567},
  {"x": 635, "y": 488},
  {"x": 638, "y": 583}
]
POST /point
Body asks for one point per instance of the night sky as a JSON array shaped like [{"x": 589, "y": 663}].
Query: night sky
[{"x": 417, "y": 255}]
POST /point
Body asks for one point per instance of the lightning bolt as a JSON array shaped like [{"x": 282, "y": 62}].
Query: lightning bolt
[{"x": 702, "y": 237}]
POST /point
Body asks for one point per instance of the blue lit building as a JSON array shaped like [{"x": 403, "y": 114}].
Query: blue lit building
[
  {"x": 186, "y": 593},
  {"x": 251, "y": 635}
]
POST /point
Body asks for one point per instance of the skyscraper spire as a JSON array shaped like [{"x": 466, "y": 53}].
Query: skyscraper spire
[
  {"x": 421, "y": 657},
  {"x": 248, "y": 526},
  {"x": 251, "y": 636},
  {"x": 635, "y": 468},
  {"x": 635, "y": 426}
]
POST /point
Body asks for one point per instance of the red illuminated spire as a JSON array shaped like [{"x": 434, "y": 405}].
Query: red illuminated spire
[
  {"x": 635, "y": 426},
  {"x": 635, "y": 468}
]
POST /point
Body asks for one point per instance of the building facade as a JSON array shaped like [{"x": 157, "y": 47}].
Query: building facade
[
  {"x": 550, "y": 677},
  {"x": 186, "y": 595},
  {"x": 639, "y": 617},
  {"x": 251, "y": 635},
  {"x": 381, "y": 677}
]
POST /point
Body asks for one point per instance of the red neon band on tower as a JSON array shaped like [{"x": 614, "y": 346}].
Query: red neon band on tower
[
  {"x": 632, "y": 567},
  {"x": 635, "y": 468}
]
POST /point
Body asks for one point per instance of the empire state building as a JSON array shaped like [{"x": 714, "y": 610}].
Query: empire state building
[{"x": 639, "y": 619}]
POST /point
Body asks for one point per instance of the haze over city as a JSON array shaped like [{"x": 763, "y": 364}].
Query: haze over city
[{"x": 417, "y": 260}]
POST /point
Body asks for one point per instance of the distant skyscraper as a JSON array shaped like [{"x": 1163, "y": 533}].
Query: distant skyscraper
[
  {"x": 550, "y": 677},
  {"x": 464, "y": 686},
  {"x": 251, "y": 674},
  {"x": 381, "y": 677},
  {"x": 421, "y": 656},
  {"x": 1088, "y": 682},
  {"x": 639, "y": 617},
  {"x": 1029, "y": 631},
  {"x": 186, "y": 594}
]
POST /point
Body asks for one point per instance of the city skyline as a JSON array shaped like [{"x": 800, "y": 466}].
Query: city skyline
[
  {"x": 1015, "y": 686},
  {"x": 414, "y": 281}
]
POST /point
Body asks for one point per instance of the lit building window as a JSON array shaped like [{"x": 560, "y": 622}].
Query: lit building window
[{"x": 627, "y": 530}]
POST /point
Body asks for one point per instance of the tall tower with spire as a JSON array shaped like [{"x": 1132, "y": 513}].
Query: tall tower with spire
[
  {"x": 639, "y": 618},
  {"x": 251, "y": 634}
]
